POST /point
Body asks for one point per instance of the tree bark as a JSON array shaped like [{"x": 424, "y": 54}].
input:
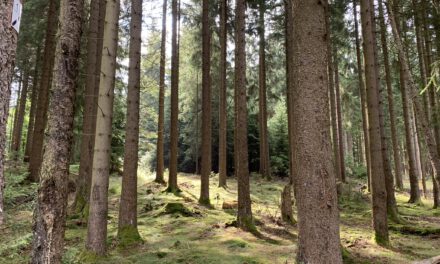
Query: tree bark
[
  {"x": 174, "y": 130},
  {"x": 89, "y": 114},
  {"x": 363, "y": 97},
  {"x": 8, "y": 46},
  {"x": 379, "y": 193},
  {"x": 223, "y": 118},
  {"x": 244, "y": 214},
  {"x": 97, "y": 222},
  {"x": 318, "y": 214},
  {"x": 161, "y": 117},
  {"x": 50, "y": 212},
  {"x": 206, "y": 105},
  {"x": 43, "y": 93},
  {"x": 128, "y": 206},
  {"x": 339, "y": 117},
  {"x": 262, "y": 114},
  {"x": 18, "y": 128}
]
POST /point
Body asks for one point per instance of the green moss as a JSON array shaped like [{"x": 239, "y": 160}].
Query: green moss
[
  {"x": 177, "y": 208},
  {"x": 175, "y": 191},
  {"x": 236, "y": 243},
  {"x": 381, "y": 240},
  {"x": 205, "y": 202},
  {"x": 87, "y": 256},
  {"x": 128, "y": 236},
  {"x": 247, "y": 224},
  {"x": 415, "y": 230}
]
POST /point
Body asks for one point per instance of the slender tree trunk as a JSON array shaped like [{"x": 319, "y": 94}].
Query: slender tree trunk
[
  {"x": 174, "y": 133},
  {"x": 89, "y": 114},
  {"x": 223, "y": 118},
  {"x": 15, "y": 114},
  {"x": 318, "y": 214},
  {"x": 34, "y": 99},
  {"x": 161, "y": 118},
  {"x": 378, "y": 189},
  {"x": 43, "y": 93},
  {"x": 206, "y": 105},
  {"x": 339, "y": 117},
  {"x": 8, "y": 46},
  {"x": 244, "y": 214},
  {"x": 420, "y": 159},
  {"x": 262, "y": 115},
  {"x": 50, "y": 212},
  {"x": 423, "y": 122},
  {"x": 127, "y": 226},
  {"x": 97, "y": 222},
  {"x": 16, "y": 137},
  {"x": 363, "y": 96},
  {"x": 394, "y": 140}
]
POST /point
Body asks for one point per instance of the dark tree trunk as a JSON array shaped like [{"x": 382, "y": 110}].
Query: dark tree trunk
[
  {"x": 318, "y": 214},
  {"x": 18, "y": 128},
  {"x": 50, "y": 212},
  {"x": 43, "y": 93},
  {"x": 244, "y": 214},
  {"x": 339, "y": 117}
]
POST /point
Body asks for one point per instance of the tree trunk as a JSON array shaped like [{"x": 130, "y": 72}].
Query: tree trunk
[
  {"x": 244, "y": 214},
  {"x": 161, "y": 118},
  {"x": 43, "y": 93},
  {"x": 18, "y": 128},
  {"x": 174, "y": 133},
  {"x": 97, "y": 222},
  {"x": 89, "y": 117},
  {"x": 379, "y": 193},
  {"x": 339, "y": 117},
  {"x": 223, "y": 113},
  {"x": 8, "y": 46},
  {"x": 363, "y": 96},
  {"x": 50, "y": 212},
  {"x": 206, "y": 105},
  {"x": 394, "y": 140},
  {"x": 318, "y": 214},
  {"x": 15, "y": 114},
  {"x": 423, "y": 122},
  {"x": 127, "y": 226},
  {"x": 286, "y": 205},
  {"x": 34, "y": 99},
  {"x": 262, "y": 114},
  {"x": 419, "y": 155}
]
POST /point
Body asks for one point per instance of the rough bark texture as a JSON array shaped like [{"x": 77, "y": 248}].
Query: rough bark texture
[
  {"x": 379, "y": 193},
  {"x": 97, "y": 222},
  {"x": 222, "y": 145},
  {"x": 43, "y": 93},
  {"x": 206, "y": 105},
  {"x": 160, "y": 122},
  {"x": 318, "y": 215},
  {"x": 128, "y": 204},
  {"x": 244, "y": 214},
  {"x": 50, "y": 212},
  {"x": 262, "y": 114},
  {"x": 8, "y": 45},
  {"x": 394, "y": 140},
  {"x": 174, "y": 130},
  {"x": 286, "y": 205},
  {"x": 363, "y": 96},
  {"x": 18, "y": 128},
  {"x": 89, "y": 115},
  {"x": 34, "y": 99}
]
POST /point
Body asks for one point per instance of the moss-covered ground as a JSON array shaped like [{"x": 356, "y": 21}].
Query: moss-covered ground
[{"x": 176, "y": 229}]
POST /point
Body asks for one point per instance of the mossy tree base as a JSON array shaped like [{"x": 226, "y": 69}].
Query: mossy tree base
[{"x": 128, "y": 236}]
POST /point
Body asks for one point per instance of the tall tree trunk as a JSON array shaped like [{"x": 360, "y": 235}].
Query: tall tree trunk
[
  {"x": 379, "y": 193},
  {"x": 339, "y": 116},
  {"x": 18, "y": 128},
  {"x": 8, "y": 46},
  {"x": 262, "y": 114},
  {"x": 15, "y": 113},
  {"x": 394, "y": 140},
  {"x": 34, "y": 99},
  {"x": 420, "y": 159},
  {"x": 43, "y": 93},
  {"x": 97, "y": 222},
  {"x": 244, "y": 214},
  {"x": 318, "y": 214},
  {"x": 161, "y": 118},
  {"x": 206, "y": 105},
  {"x": 223, "y": 118},
  {"x": 89, "y": 117},
  {"x": 363, "y": 96},
  {"x": 127, "y": 226},
  {"x": 174, "y": 133},
  {"x": 408, "y": 79},
  {"x": 50, "y": 212}
]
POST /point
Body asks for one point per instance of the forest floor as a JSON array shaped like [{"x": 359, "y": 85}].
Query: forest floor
[{"x": 196, "y": 234}]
